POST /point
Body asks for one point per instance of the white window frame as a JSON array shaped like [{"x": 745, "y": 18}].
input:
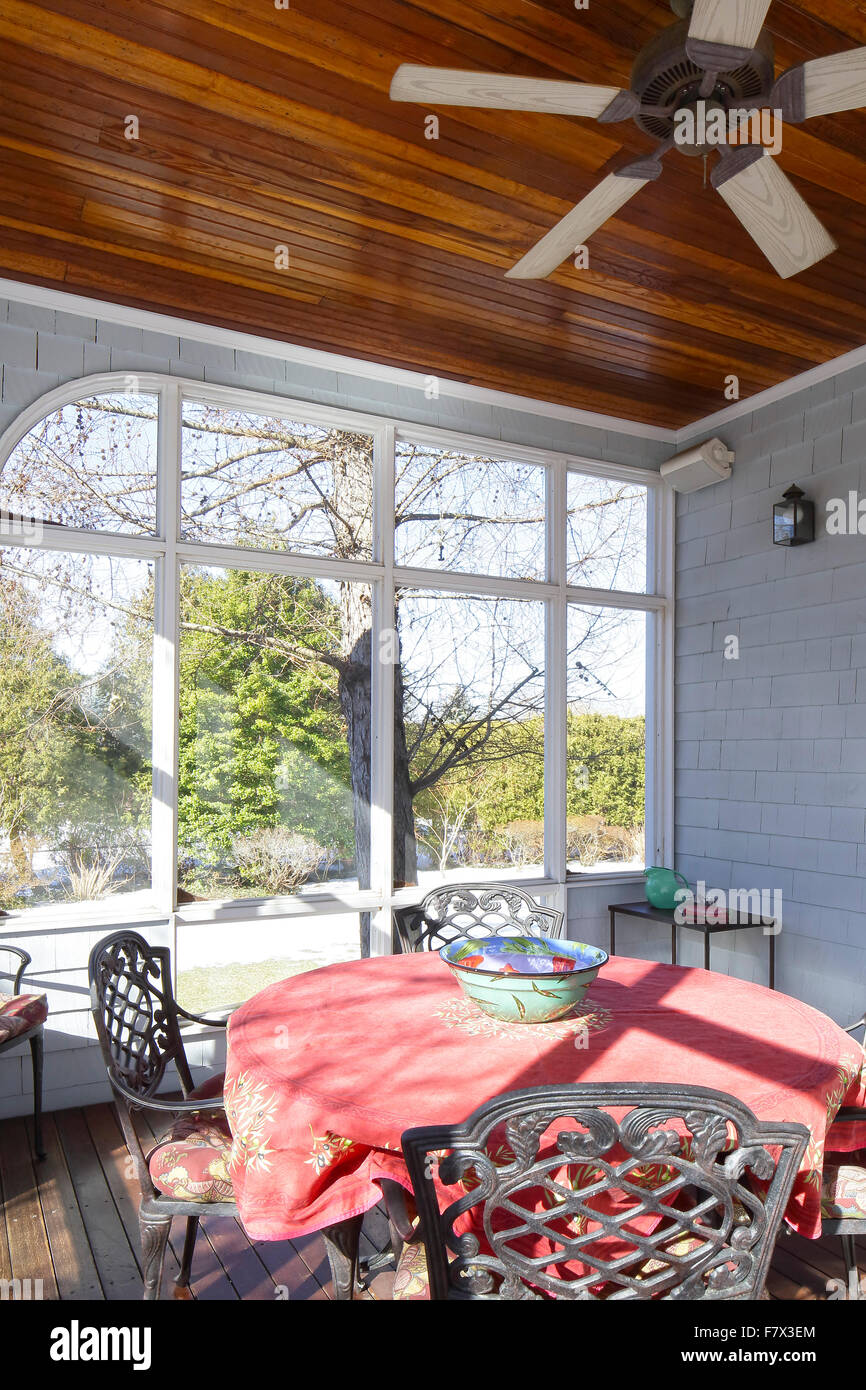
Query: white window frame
[{"x": 167, "y": 550}]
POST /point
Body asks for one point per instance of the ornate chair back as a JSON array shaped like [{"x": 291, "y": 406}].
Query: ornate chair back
[
  {"x": 473, "y": 910},
  {"x": 133, "y": 1006},
  {"x": 603, "y": 1191}
]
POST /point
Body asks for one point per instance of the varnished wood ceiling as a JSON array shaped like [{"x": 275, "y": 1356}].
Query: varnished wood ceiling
[{"x": 261, "y": 126}]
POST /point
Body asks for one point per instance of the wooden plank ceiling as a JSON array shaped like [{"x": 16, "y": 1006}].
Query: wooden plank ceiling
[{"x": 261, "y": 126}]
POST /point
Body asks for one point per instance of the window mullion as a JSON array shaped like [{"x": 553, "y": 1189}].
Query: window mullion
[
  {"x": 44, "y": 536},
  {"x": 482, "y": 585},
  {"x": 555, "y": 696},
  {"x": 274, "y": 561},
  {"x": 165, "y": 656},
  {"x": 616, "y": 598},
  {"x": 663, "y": 558},
  {"x": 383, "y": 654}
]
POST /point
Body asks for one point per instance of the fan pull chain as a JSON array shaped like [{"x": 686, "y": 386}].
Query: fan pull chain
[{"x": 706, "y": 157}]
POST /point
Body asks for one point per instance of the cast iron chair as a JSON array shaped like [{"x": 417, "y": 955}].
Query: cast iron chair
[
  {"x": 579, "y": 1200},
  {"x": 22, "y": 1019},
  {"x": 472, "y": 909},
  {"x": 843, "y": 1190},
  {"x": 136, "y": 1017}
]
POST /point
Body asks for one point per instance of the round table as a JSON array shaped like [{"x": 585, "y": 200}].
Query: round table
[{"x": 327, "y": 1069}]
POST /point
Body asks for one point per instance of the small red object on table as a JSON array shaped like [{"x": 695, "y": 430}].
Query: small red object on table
[{"x": 326, "y": 1070}]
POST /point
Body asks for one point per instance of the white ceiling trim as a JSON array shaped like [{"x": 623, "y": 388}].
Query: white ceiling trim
[{"x": 49, "y": 298}]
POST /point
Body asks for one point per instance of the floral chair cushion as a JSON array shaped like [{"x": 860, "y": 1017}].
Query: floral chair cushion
[
  {"x": 21, "y": 1012},
  {"x": 191, "y": 1161},
  {"x": 843, "y": 1192},
  {"x": 412, "y": 1282}
]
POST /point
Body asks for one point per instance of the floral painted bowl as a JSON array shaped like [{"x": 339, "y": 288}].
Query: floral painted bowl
[{"x": 523, "y": 979}]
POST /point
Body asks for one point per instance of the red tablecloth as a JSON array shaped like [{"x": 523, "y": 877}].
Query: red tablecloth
[{"x": 327, "y": 1069}]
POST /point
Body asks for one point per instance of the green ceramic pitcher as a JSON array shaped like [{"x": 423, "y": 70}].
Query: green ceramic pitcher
[{"x": 662, "y": 885}]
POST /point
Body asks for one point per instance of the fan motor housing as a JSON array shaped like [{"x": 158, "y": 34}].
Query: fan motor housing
[{"x": 664, "y": 75}]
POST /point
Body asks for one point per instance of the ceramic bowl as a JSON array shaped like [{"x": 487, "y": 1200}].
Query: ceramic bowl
[{"x": 523, "y": 979}]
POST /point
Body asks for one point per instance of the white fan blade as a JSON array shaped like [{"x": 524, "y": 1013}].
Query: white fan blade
[
  {"x": 776, "y": 217},
  {"x": 837, "y": 83},
  {"x": 575, "y": 227},
  {"x": 733, "y": 23},
  {"x": 452, "y": 87}
]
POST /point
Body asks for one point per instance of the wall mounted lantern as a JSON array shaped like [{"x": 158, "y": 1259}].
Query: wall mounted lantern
[{"x": 793, "y": 518}]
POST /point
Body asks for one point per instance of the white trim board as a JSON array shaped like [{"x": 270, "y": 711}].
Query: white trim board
[{"x": 46, "y": 297}]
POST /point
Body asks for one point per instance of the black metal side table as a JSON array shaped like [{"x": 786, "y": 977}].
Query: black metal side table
[{"x": 658, "y": 914}]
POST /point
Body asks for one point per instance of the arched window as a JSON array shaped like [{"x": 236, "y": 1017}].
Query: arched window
[{"x": 268, "y": 663}]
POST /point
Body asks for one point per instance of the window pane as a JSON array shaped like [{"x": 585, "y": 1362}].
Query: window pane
[
  {"x": 606, "y": 738},
  {"x": 469, "y": 791},
  {"x": 76, "y": 640},
  {"x": 606, "y": 535},
  {"x": 274, "y": 734},
  {"x": 221, "y": 964},
  {"x": 256, "y": 480},
  {"x": 91, "y": 465},
  {"x": 472, "y": 513}
]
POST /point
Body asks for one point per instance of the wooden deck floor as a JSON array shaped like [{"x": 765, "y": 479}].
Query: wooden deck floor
[{"x": 71, "y": 1222}]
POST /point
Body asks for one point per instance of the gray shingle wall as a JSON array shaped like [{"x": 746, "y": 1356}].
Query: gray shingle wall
[{"x": 771, "y": 747}]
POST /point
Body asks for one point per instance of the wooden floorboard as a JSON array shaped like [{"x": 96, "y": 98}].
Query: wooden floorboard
[
  {"x": 74, "y": 1266},
  {"x": 289, "y": 1271},
  {"x": 5, "y": 1257},
  {"x": 29, "y": 1249},
  {"x": 249, "y": 1276},
  {"x": 112, "y": 1250},
  {"x": 71, "y": 1220},
  {"x": 117, "y": 1165}
]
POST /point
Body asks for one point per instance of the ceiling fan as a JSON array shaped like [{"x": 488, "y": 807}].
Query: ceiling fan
[{"x": 718, "y": 54}]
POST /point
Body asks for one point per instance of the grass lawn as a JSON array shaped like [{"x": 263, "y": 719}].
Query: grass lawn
[{"x": 212, "y": 987}]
